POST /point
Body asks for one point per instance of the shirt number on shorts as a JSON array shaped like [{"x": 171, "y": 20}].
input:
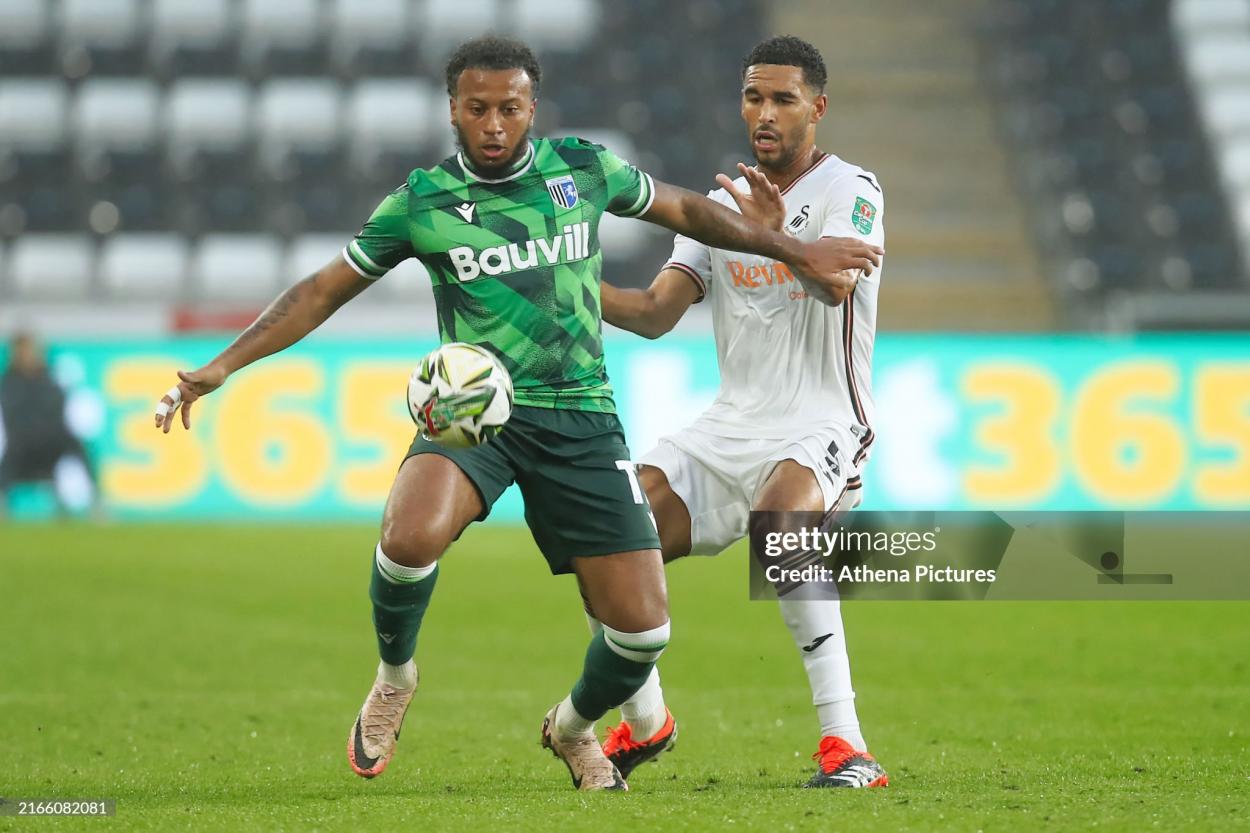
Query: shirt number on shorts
[{"x": 627, "y": 466}]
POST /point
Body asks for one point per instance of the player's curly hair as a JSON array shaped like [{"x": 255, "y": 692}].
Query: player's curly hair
[
  {"x": 787, "y": 50},
  {"x": 492, "y": 52}
]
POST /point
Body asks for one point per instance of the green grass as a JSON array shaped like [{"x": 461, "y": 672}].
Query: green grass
[{"x": 205, "y": 677}]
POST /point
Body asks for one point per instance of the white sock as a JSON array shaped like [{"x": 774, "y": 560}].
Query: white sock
[
  {"x": 645, "y": 711},
  {"x": 569, "y": 723},
  {"x": 400, "y": 676},
  {"x": 818, "y": 625},
  {"x": 396, "y": 573}
]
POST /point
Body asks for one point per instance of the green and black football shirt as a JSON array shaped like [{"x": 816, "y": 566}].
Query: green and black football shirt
[{"x": 515, "y": 260}]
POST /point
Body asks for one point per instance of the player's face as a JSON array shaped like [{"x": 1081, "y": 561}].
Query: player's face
[
  {"x": 781, "y": 112},
  {"x": 491, "y": 113}
]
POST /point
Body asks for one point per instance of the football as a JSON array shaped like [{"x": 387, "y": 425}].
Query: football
[{"x": 460, "y": 395}]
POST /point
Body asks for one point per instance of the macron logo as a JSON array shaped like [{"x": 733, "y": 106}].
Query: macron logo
[
  {"x": 466, "y": 211},
  {"x": 572, "y": 244}
]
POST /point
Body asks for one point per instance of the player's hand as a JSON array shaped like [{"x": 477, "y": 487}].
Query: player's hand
[
  {"x": 191, "y": 386},
  {"x": 763, "y": 204},
  {"x": 832, "y": 266},
  {"x": 831, "y": 255}
]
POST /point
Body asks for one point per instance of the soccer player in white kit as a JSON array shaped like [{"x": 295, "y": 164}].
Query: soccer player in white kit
[{"x": 791, "y": 427}]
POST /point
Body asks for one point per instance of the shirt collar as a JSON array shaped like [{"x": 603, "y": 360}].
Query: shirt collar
[{"x": 520, "y": 167}]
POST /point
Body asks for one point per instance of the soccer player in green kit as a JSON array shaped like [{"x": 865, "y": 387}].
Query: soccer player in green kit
[{"x": 507, "y": 229}]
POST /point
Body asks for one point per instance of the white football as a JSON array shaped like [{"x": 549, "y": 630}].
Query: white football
[{"x": 460, "y": 395}]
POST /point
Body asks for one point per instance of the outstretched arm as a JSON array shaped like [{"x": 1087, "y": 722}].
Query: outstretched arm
[
  {"x": 826, "y": 268},
  {"x": 653, "y": 311},
  {"x": 292, "y": 315}
]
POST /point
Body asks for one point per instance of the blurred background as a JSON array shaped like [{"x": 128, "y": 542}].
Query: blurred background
[{"x": 1064, "y": 307}]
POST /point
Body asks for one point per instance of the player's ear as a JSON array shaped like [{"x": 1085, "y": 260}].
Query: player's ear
[
  {"x": 819, "y": 106},
  {"x": 451, "y": 109}
]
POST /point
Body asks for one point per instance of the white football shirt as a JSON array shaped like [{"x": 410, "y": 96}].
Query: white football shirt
[{"x": 789, "y": 363}]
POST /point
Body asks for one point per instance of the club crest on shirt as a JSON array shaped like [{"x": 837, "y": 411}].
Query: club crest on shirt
[
  {"x": 563, "y": 191},
  {"x": 799, "y": 221},
  {"x": 862, "y": 215}
]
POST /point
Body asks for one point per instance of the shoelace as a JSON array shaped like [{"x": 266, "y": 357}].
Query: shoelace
[
  {"x": 620, "y": 739},
  {"x": 833, "y": 752},
  {"x": 380, "y": 718},
  {"x": 586, "y": 750}
]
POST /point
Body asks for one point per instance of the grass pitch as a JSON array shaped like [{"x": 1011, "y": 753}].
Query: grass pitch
[{"x": 206, "y": 678}]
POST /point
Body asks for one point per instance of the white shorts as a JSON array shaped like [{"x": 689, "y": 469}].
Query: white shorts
[{"x": 718, "y": 477}]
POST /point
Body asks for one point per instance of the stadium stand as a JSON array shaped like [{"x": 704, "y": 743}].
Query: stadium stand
[
  {"x": 152, "y": 133},
  {"x": 52, "y": 266},
  {"x": 1214, "y": 38},
  {"x": 909, "y": 103},
  {"x": 1111, "y": 149}
]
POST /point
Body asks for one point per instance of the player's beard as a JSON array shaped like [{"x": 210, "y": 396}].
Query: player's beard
[
  {"x": 789, "y": 149},
  {"x": 522, "y": 146}
]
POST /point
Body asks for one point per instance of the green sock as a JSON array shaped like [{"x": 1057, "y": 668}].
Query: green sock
[
  {"x": 609, "y": 679},
  {"x": 400, "y": 596}
]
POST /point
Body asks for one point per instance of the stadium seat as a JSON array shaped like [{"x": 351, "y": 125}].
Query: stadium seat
[
  {"x": 24, "y": 41},
  {"x": 372, "y": 40},
  {"x": 100, "y": 36},
  {"x": 1227, "y": 110},
  {"x": 51, "y": 266},
  {"x": 391, "y": 123},
  {"x": 1241, "y": 216},
  {"x": 1201, "y": 16},
  {"x": 34, "y": 153},
  {"x": 448, "y": 22},
  {"x": 236, "y": 267},
  {"x": 23, "y": 22},
  {"x": 297, "y": 115},
  {"x": 556, "y": 25},
  {"x": 1235, "y": 164},
  {"x": 282, "y": 36},
  {"x": 208, "y": 149},
  {"x": 116, "y": 115},
  {"x": 206, "y": 115},
  {"x": 115, "y": 126},
  {"x": 309, "y": 252},
  {"x": 1222, "y": 58},
  {"x": 143, "y": 265},
  {"x": 299, "y": 122},
  {"x": 32, "y": 114},
  {"x": 191, "y": 35}
]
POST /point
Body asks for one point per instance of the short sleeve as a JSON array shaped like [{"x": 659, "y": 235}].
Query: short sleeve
[
  {"x": 384, "y": 241},
  {"x": 854, "y": 207},
  {"x": 694, "y": 259},
  {"x": 630, "y": 191}
]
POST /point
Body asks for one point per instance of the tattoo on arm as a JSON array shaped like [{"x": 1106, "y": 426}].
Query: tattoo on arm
[
  {"x": 721, "y": 228},
  {"x": 275, "y": 313}
]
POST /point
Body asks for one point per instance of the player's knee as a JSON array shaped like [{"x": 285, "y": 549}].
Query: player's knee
[
  {"x": 414, "y": 547},
  {"x": 792, "y": 487},
  {"x": 642, "y": 646}
]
